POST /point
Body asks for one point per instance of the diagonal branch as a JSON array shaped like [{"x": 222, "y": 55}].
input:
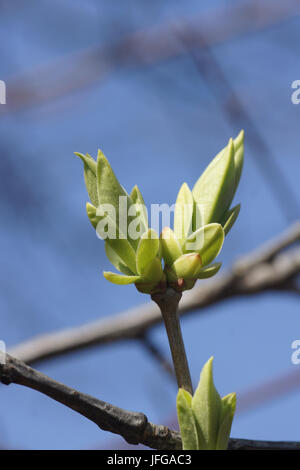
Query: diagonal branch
[
  {"x": 133, "y": 427},
  {"x": 267, "y": 268}
]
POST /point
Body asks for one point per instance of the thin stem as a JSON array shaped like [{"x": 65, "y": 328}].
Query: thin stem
[{"x": 168, "y": 304}]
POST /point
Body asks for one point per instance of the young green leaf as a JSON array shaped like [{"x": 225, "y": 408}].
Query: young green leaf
[
  {"x": 116, "y": 261},
  {"x": 227, "y": 415},
  {"x": 119, "y": 278},
  {"x": 209, "y": 271},
  {"x": 171, "y": 249},
  {"x": 214, "y": 189},
  {"x": 141, "y": 209},
  {"x": 147, "y": 250},
  {"x": 186, "y": 421},
  {"x": 90, "y": 176},
  {"x": 230, "y": 217},
  {"x": 110, "y": 191},
  {"x": 124, "y": 250},
  {"x": 207, "y": 407},
  {"x": 207, "y": 241},
  {"x": 183, "y": 216}
]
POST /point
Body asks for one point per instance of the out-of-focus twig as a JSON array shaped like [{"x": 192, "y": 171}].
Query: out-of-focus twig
[
  {"x": 234, "y": 110},
  {"x": 82, "y": 69},
  {"x": 268, "y": 268},
  {"x": 155, "y": 352}
]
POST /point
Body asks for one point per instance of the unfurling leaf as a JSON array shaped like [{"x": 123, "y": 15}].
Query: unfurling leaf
[
  {"x": 90, "y": 169},
  {"x": 214, "y": 190},
  {"x": 119, "y": 278},
  {"x": 207, "y": 241}
]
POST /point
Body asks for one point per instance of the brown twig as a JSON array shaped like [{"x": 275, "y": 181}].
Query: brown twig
[{"x": 133, "y": 427}]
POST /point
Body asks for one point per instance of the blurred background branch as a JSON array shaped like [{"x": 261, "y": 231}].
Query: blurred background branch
[
  {"x": 268, "y": 268},
  {"x": 144, "y": 48}
]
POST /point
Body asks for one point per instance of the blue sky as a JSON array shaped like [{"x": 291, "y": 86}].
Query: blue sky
[{"x": 159, "y": 126}]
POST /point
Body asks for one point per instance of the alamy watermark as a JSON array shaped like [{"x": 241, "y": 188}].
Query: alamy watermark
[
  {"x": 130, "y": 222},
  {"x": 2, "y": 92},
  {"x": 2, "y": 352},
  {"x": 295, "y": 97},
  {"x": 295, "y": 357}
]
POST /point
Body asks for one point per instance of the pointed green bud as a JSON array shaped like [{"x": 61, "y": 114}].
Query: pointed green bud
[
  {"x": 205, "y": 419},
  {"x": 90, "y": 169},
  {"x": 207, "y": 407},
  {"x": 147, "y": 251},
  {"x": 171, "y": 249},
  {"x": 186, "y": 267},
  {"x": 214, "y": 190},
  {"x": 141, "y": 209},
  {"x": 183, "y": 216}
]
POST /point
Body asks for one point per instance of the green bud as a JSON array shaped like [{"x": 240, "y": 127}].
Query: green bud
[
  {"x": 183, "y": 216},
  {"x": 147, "y": 251},
  {"x": 205, "y": 419},
  {"x": 207, "y": 241},
  {"x": 90, "y": 169},
  {"x": 187, "y": 266},
  {"x": 171, "y": 249},
  {"x": 138, "y": 200}
]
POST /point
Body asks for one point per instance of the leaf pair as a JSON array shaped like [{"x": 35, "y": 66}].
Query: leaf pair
[
  {"x": 136, "y": 257},
  {"x": 205, "y": 419}
]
